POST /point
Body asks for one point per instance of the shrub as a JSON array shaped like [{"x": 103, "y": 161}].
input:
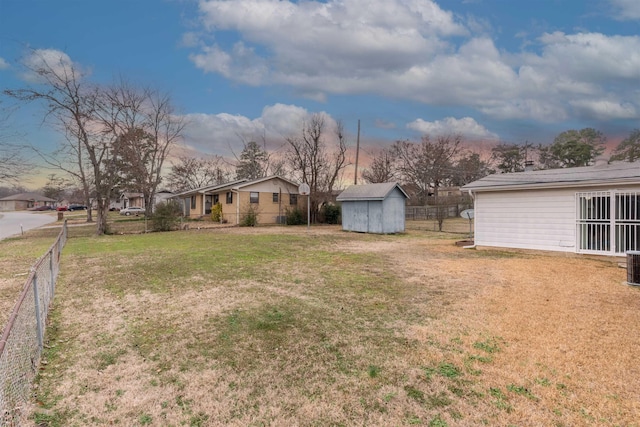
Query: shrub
[
  {"x": 295, "y": 216},
  {"x": 330, "y": 214},
  {"x": 216, "y": 212},
  {"x": 166, "y": 216},
  {"x": 250, "y": 217}
]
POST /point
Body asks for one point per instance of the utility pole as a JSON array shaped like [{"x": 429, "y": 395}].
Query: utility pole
[{"x": 355, "y": 180}]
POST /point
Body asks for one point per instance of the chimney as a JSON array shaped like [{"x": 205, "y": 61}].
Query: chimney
[{"x": 528, "y": 165}]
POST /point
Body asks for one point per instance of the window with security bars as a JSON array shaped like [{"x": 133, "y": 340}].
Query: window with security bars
[
  {"x": 627, "y": 224},
  {"x": 594, "y": 221},
  {"x": 608, "y": 221}
]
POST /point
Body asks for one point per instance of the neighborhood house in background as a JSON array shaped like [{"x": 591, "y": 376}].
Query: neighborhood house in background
[
  {"x": 24, "y": 201},
  {"x": 269, "y": 198}
]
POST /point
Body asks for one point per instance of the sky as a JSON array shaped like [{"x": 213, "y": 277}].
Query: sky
[{"x": 239, "y": 70}]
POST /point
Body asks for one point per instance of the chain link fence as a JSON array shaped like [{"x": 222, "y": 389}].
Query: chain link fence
[{"x": 23, "y": 336}]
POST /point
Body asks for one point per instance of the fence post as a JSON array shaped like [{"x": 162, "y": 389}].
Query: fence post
[
  {"x": 52, "y": 279},
  {"x": 36, "y": 299}
]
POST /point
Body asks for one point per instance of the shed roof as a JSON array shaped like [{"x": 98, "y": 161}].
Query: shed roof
[
  {"x": 613, "y": 173},
  {"x": 369, "y": 191},
  {"x": 29, "y": 197}
]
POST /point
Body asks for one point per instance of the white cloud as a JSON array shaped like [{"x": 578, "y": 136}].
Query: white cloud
[
  {"x": 312, "y": 39},
  {"x": 414, "y": 50},
  {"x": 605, "y": 110},
  {"x": 3, "y": 64},
  {"x": 48, "y": 59},
  {"x": 220, "y": 133},
  {"x": 224, "y": 134},
  {"x": 626, "y": 9},
  {"x": 241, "y": 64},
  {"x": 466, "y": 127}
]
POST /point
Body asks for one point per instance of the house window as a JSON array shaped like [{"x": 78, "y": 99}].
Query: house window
[
  {"x": 229, "y": 197},
  {"x": 293, "y": 199},
  {"x": 276, "y": 197},
  {"x": 193, "y": 202},
  {"x": 254, "y": 197},
  {"x": 216, "y": 199}
]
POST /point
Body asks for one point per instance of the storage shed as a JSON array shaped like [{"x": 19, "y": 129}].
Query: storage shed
[
  {"x": 587, "y": 210},
  {"x": 373, "y": 208}
]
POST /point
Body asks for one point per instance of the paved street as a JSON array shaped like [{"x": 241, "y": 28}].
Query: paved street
[{"x": 13, "y": 223}]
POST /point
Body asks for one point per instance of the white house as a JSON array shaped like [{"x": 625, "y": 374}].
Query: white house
[
  {"x": 373, "y": 208},
  {"x": 587, "y": 210}
]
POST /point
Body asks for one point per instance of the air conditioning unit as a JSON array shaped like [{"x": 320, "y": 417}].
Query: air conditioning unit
[{"x": 633, "y": 268}]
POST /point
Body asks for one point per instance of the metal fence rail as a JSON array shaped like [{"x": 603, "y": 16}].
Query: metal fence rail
[
  {"x": 424, "y": 213},
  {"x": 22, "y": 337}
]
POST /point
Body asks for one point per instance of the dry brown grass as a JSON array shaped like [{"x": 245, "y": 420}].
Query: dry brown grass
[{"x": 342, "y": 329}]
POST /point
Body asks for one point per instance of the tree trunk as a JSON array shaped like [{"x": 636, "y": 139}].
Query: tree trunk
[{"x": 103, "y": 210}]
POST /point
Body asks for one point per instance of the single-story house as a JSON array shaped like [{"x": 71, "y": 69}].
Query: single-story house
[
  {"x": 586, "y": 210},
  {"x": 373, "y": 208},
  {"x": 24, "y": 201},
  {"x": 129, "y": 200},
  {"x": 270, "y": 198}
]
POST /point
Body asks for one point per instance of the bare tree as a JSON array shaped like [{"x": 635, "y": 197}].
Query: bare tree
[
  {"x": 71, "y": 103},
  {"x": 382, "y": 168},
  {"x": 312, "y": 161},
  {"x": 470, "y": 167},
  {"x": 12, "y": 162},
  {"x": 426, "y": 165},
  {"x": 145, "y": 129},
  {"x": 189, "y": 173},
  {"x": 55, "y": 187}
]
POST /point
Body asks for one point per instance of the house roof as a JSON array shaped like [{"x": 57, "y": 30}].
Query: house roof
[
  {"x": 613, "y": 173},
  {"x": 233, "y": 185},
  {"x": 29, "y": 197},
  {"x": 259, "y": 180},
  {"x": 129, "y": 195},
  {"x": 369, "y": 192}
]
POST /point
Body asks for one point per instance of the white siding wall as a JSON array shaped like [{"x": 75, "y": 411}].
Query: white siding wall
[
  {"x": 533, "y": 219},
  {"x": 530, "y": 219}
]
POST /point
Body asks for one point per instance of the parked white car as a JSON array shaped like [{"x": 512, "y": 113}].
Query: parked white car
[{"x": 132, "y": 210}]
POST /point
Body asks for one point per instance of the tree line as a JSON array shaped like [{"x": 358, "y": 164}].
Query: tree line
[{"x": 432, "y": 163}]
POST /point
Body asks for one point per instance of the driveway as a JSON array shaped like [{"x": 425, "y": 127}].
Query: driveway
[{"x": 14, "y": 223}]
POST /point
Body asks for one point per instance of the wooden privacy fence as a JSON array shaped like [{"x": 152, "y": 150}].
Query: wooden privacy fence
[{"x": 23, "y": 336}]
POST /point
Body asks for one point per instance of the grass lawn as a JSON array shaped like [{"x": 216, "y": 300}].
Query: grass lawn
[{"x": 282, "y": 326}]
